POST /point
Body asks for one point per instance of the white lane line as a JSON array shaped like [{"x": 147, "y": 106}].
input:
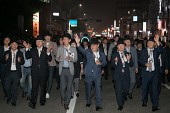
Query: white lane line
[
  {"x": 167, "y": 86},
  {"x": 72, "y": 104}
]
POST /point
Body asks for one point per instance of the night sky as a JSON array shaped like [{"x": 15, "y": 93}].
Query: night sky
[{"x": 106, "y": 10}]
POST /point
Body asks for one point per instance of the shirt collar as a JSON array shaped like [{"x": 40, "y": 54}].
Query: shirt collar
[
  {"x": 40, "y": 48},
  {"x": 14, "y": 51},
  {"x": 67, "y": 47},
  {"x": 6, "y": 47},
  {"x": 120, "y": 52},
  {"x": 150, "y": 49}
]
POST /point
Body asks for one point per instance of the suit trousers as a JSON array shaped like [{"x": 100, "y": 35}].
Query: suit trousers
[
  {"x": 2, "y": 78},
  {"x": 132, "y": 79},
  {"x": 50, "y": 78},
  {"x": 66, "y": 82},
  {"x": 121, "y": 89},
  {"x": 38, "y": 81},
  {"x": 11, "y": 85},
  {"x": 89, "y": 80},
  {"x": 150, "y": 85}
]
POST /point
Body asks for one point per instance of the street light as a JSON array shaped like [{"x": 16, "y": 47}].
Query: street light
[
  {"x": 56, "y": 14},
  {"x": 134, "y": 10},
  {"x": 80, "y": 5},
  {"x": 84, "y": 14}
]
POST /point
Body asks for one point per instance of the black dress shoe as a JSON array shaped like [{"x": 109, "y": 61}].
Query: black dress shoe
[
  {"x": 98, "y": 108},
  {"x": 8, "y": 100},
  {"x": 144, "y": 105},
  {"x": 62, "y": 102},
  {"x": 77, "y": 94},
  {"x": 14, "y": 104},
  {"x": 28, "y": 98},
  {"x": 57, "y": 87},
  {"x": 42, "y": 104},
  {"x": 130, "y": 96},
  {"x": 31, "y": 105},
  {"x": 66, "y": 107},
  {"x": 24, "y": 94},
  {"x": 88, "y": 105},
  {"x": 137, "y": 87},
  {"x": 120, "y": 108},
  {"x": 155, "y": 109}
]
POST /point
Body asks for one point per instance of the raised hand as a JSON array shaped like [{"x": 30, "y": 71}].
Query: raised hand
[
  {"x": 49, "y": 49},
  {"x": 19, "y": 59},
  {"x": 116, "y": 60},
  {"x": 6, "y": 56},
  {"x": 128, "y": 57},
  {"x": 98, "y": 62},
  {"x": 68, "y": 58},
  {"x": 77, "y": 39}
]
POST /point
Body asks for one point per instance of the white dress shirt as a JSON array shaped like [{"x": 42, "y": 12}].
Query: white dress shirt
[
  {"x": 13, "y": 64},
  {"x": 6, "y": 48},
  {"x": 96, "y": 56},
  {"x": 150, "y": 60},
  {"x": 123, "y": 58},
  {"x": 39, "y": 50},
  {"x": 105, "y": 49}
]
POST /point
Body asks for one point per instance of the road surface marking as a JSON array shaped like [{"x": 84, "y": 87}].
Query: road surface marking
[
  {"x": 72, "y": 104},
  {"x": 167, "y": 86}
]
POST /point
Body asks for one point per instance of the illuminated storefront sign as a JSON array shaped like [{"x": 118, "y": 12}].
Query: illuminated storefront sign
[{"x": 36, "y": 24}]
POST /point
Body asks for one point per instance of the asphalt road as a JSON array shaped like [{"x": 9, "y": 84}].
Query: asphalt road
[{"x": 109, "y": 104}]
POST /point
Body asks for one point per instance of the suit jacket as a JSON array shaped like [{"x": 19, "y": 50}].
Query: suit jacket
[
  {"x": 110, "y": 51},
  {"x": 38, "y": 63},
  {"x": 8, "y": 62},
  {"x": 53, "y": 52},
  {"x": 2, "y": 66},
  {"x": 165, "y": 59},
  {"x": 143, "y": 59},
  {"x": 134, "y": 58},
  {"x": 90, "y": 64},
  {"x": 102, "y": 48},
  {"x": 60, "y": 58},
  {"x": 1, "y": 53},
  {"x": 119, "y": 66}
]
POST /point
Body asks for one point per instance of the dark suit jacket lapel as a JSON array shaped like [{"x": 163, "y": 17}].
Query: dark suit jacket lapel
[
  {"x": 36, "y": 53},
  {"x": 42, "y": 52}
]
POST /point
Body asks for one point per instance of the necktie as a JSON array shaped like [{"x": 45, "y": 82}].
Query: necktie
[
  {"x": 13, "y": 60},
  {"x": 123, "y": 61},
  {"x": 150, "y": 59}
]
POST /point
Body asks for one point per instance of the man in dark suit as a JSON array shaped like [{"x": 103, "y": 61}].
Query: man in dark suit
[
  {"x": 3, "y": 49},
  {"x": 13, "y": 60},
  {"x": 163, "y": 60},
  {"x": 138, "y": 75},
  {"x": 39, "y": 70},
  {"x": 95, "y": 61},
  {"x": 121, "y": 61},
  {"x": 104, "y": 47},
  {"x": 149, "y": 60}
]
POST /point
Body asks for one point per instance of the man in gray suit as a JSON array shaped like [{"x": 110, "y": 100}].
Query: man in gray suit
[
  {"x": 134, "y": 69},
  {"x": 66, "y": 56},
  {"x": 112, "y": 45}
]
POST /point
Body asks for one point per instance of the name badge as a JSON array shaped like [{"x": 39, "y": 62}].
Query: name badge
[{"x": 72, "y": 55}]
